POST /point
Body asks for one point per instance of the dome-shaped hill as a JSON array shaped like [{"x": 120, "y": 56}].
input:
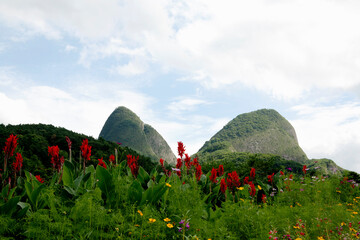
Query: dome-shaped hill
[{"x": 262, "y": 131}]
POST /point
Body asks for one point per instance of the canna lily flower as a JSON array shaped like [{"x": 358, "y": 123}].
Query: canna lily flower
[
  {"x": 221, "y": 170},
  {"x": 304, "y": 169},
  {"x": 252, "y": 189},
  {"x": 102, "y": 163},
  {"x": 112, "y": 159},
  {"x": 162, "y": 162},
  {"x": 9, "y": 148},
  {"x": 270, "y": 178},
  {"x": 133, "y": 164},
  {"x": 223, "y": 186},
  {"x": 198, "y": 172},
  {"x": 181, "y": 149},
  {"x": 85, "y": 150},
  {"x": 17, "y": 165},
  {"x": 252, "y": 172},
  {"x": 39, "y": 178},
  {"x": 213, "y": 175},
  {"x": 56, "y": 161}
]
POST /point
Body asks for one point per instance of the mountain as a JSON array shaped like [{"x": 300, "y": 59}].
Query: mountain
[
  {"x": 126, "y": 127},
  {"x": 261, "y": 131},
  {"x": 325, "y": 166}
]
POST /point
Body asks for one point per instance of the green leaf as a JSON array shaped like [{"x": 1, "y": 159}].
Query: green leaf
[
  {"x": 10, "y": 206},
  {"x": 68, "y": 174},
  {"x": 105, "y": 182},
  {"x": 143, "y": 176},
  {"x": 135, "y": 192}
]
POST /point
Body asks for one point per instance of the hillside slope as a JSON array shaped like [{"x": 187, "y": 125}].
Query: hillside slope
[
  {"x": 126, "y": 127},
  {"x": 261, "y": 131}
]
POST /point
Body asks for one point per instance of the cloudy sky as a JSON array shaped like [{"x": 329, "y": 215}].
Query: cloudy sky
[{"x": 186, "y": 67}]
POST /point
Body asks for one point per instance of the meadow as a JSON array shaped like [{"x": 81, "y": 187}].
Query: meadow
[{"x": 116, "y": 198}]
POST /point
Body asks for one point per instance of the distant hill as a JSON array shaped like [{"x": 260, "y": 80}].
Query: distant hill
[
  {"x": 325, "y": 166},
  {"x": 126, "y": 127},
  {"x": 262, "y": 131}
]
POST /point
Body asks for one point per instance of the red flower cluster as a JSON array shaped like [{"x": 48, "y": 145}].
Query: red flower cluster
[
  {"x": 17, "y": 165},
  {"x": 213, "y": 175},
  {"x": 281, "y": 173},
  {"x": 252, "y": 173},
  {"x": 221, "y": 170},
  {"x": 246, "y": 180},
  {"x": 10, "y": 145},
  {"x": 198, "y": 172},
  {"x": 195, "y": 162},
  {"x": 39, "y": 178},
  {"x": 181, "y": 149},
  {"x": 85, "y": 150},
  {"x": 132, "y": 162},
  {"x": 252, "y": 189},
  {"x": 102, "y": 163},
  {"x": 233, "y": 181},
  {"x": 56, "y": 161},
  {"x": 271, "y": 178},
  {"x": 112, "y": 159},
  {"x": 223, "y": 186},
  {"x": 187, "y": 161}
]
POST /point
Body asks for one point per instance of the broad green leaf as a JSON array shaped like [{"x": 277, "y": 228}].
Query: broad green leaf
[
  {"x": 135, "y": 192},
  {"x": 143, "y": 176},
  {"x": 10, "y": 206},
  {"x": 68, "y": 174},
  {"x": 105, "y": 182}
]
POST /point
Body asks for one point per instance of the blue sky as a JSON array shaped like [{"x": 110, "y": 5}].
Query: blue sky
[{"x": 186, "y": 67}]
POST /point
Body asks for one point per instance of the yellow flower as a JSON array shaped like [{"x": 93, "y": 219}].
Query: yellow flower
[
  {"x": 152, "y": 220},
  {"x": 298, "y": 239},
  {"x": 167, "y": 184},
  {"x": 117, "y": 229},
  {"x": 296, "y": 227},
  {"x": 242, "y": 199},
  {"x": 137, "y": 225},
  {"x": 169, "y": 225},
  {"x": 342, "y": 224},
  {"x": 321, "y": 238},
  {"x": 355, "y": 213},
  {"x": 338, "y": 191},
  {"x": 167, "y": 220},
  {"x": 259, "y": 187},
  {"x": 141, "y": 214},
  {"x": 240, "y": 188}
]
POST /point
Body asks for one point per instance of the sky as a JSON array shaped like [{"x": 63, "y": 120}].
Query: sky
[{"x": 186, "y": 67}]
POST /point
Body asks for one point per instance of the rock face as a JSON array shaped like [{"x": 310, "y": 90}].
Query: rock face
[
  {"x": 262, "y": 131},
  {"x": 126, "y": 127}
]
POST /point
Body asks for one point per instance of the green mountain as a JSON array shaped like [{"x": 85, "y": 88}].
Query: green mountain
[
  {"x": 325, "y": 166},
  {"x": 126, "y": 127},
  {"x": 262, "y": 131}
]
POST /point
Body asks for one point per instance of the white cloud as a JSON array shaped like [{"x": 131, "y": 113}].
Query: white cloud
[
  {"x": 184, "y": 105},
  {"x": 70, "y": 48},
  {"x": 330, "y": 132}
]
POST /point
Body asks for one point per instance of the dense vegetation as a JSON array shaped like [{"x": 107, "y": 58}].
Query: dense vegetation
[
  {"x": 126, "y": 127},
  {"x": 262, "y": 131},
  {"x": 35, "y": 138},
  {"x": 124, "y": 201}
]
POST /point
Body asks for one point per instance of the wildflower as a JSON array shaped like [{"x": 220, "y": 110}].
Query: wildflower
[
  {"x": 68, "y": 142},
  {"x": 221, "y": 170},
  {"x": 246, "y": 180},
  {"x": 162, "y": 162},
  {"x": 233, "y": 181},
  {"x": 169, "y": 225},
  {"x": 252, "y": 172},
  {"x": 252, "y": 189},
  {"x": 223, "y": 186},
  {"x": 259, "y": 187},
  {"x": 39, "y": 178},
  {"x": 117, "y": 229},
  {"x": 133, "y": 164},
  {"x": 187, "y": 161},
  {"x": 181, "y": 149},
  {"x": 112, "y": 159},
  {"x": 17, "y": 165},
  {"x": 270, "y": 178},
  {"x": 240, "y": 188},
  {"x": 213, "y": 175},
  {"x": 141, "y": 214},
  {"x": 281, "y": 173},
  {"x": 102, "y": 163},
  {"x": 195, "y": 162},
  {"x": 182, "y": 222},
  {"x": 56, "y": 161},
  {"x": 167, "y": 184},
  {"x": 152, "y": 220},
  {"x": 198, "y": 172},
  {"x": 167, "y": 220},
  {"x": 85, "y": 150},
  {"x": 187, "y": 225},
  {"x": 9, "y": 148},
  {"x": 176, "y": 169}
]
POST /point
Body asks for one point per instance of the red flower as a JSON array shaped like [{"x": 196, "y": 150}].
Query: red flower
[
  {"x": 233, "y": 181},
  {"x": 187, "y": 161},
  {"x": 281, "y": 173},
  {"x": 223, "y": 186},
  {"x": 179, "y": 163},
  {"x": 162, "y": 162},
  {"x": 85, "y": 150},
  {"x": 133, "y": 164},
  {"x": 56, "y": 161},
  {"x": 291, "y": 176},
  {"x": 270, "y": 178},
  {"x": 10, "y": 146},
  {"x": 39, "y": 178},
  {"x": 263, "y": 198},
  {"x": 246, "y": 180},
  {"x": 195, "y": 162},
  {"x": 102, "y": 163},
  {"x": 213, "y": 175},
  {"x": 17, "y": 165},
  {"x": 252, "y": 189},
  {"x": 181, "y": 149},
  {"x": 221, "y": 170},
  {"x": 112, "y": 159},
  {"x": 252, "y": 173},
  {"x": 304, "y": 169},
  {"x": 198, "y": 172}
]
